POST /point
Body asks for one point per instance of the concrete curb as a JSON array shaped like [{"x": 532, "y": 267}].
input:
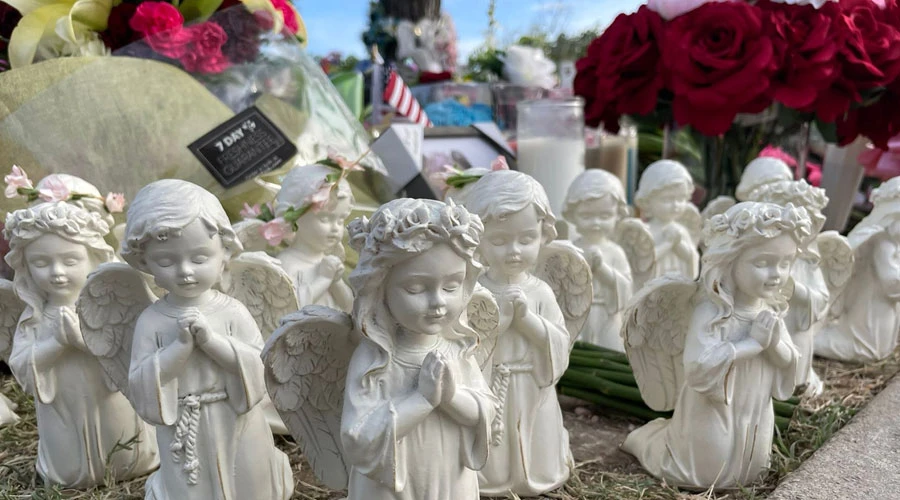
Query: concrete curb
[{"x": 861, "y": 461}]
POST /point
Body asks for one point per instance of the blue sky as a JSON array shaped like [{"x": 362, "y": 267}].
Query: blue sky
[{"x": 338, "y": 24}]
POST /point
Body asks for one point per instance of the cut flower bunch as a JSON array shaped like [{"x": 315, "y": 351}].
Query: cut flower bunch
[
  {"x": 36, "y": 30},
  {"x": 702, "y": 63}
]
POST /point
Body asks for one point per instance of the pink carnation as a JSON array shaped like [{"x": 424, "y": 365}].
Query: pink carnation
[
  {"x": 151, "y": 18},
  {"x": 778, "y": 153},
  {"x": 251, "y": 212},
  {"x": 274, "y": 231},
  {"x": 205, "y": 54},
  {"x": 54, "y": 189},
  {"x": 115, "y": 202},
  {"x": 15, "y": 180}
]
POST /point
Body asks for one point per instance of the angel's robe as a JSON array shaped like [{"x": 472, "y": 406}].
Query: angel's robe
[
  {"x": 80, "y": 418},
  {"x": 533, "y": 455},
  {"x": 437, "y": 459},
  {"x": 7, "y": 411},
  {"x": 722, "y": 428},
  {"x": 302, "y": 273},
  {"x": 867, "y": 329},
  {"x": 805, "y": 318},
  {"x": 228, "y": 434},
  {"x": 604, "y": 322},
  {"x": 670, "y": 262}
]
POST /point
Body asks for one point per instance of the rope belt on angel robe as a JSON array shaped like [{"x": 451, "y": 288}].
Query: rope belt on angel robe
[
  {"x": 185, "y": 442},
  {"x": 500, "y": 386}
]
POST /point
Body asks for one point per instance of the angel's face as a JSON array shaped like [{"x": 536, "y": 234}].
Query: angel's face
[
  {"x": 511, "y": 244},
  {"x": 761, "y": 271},
  {"x": 668, "y": 205},
  {"x": 426, "y": 293},
  {"x": 319, "y": 231},
  {"x": 189, "y": 264},
  {"x": 59, "y": 267},
  {"x": 596, "y": 217}
]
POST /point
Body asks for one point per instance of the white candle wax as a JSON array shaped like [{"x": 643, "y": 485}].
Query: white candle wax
[{"x": 554, "y": 163}]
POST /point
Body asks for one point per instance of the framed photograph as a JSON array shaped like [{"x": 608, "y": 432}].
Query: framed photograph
[{"x": 474, "y": 146}]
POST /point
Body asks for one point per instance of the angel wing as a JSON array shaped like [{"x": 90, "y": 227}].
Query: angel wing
[
  {"x": 484, "y": 317},
  {"x": 717, "y": 206},
  {"x": 563, "y": 266},
  {"x": 306, "y": 361},
  {"x": 656, "y": 324},
  {"x": 257, "y": 280},
  {"x": 248, "y": 233},
  {"x": 635, "y": 238},
  {"x": 692, "y": 221},
  {"x": 109, "y": 305},
  {"x": 11, "y": 309}
]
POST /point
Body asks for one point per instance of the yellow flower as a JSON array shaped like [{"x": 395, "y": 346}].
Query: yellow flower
[{"x": 53, "y": 28}]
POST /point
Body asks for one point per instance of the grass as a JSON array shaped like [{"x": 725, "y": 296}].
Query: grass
[{"x": 848, "y": 388}]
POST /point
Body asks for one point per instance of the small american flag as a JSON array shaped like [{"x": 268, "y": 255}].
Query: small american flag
[{"x": 398, "y": 96}]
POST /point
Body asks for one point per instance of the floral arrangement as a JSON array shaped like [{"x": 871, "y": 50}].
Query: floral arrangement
[
  {"x": 703, "y": 63},
  {"x": 275, "y": 229},
  {"x": 33, "y": 30},
  {"x": 55, "y": 189}
]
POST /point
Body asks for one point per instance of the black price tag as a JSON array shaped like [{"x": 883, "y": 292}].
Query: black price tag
[{"x": 245, "y": 146}]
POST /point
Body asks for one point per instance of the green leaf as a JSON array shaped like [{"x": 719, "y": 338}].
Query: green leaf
[
  {"x": 332, "y": 178},
  {"x": 265, "y": 214},
  {"x": 292, "y": 215},
  {"x": 198, "y": 10},
  {"x": 328, "y": 162}
]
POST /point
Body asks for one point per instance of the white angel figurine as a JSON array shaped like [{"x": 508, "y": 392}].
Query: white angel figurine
[
  {"x": 866, "y": 320},
  {"x": 190, "y": 361},
  {"x": 544, "y": 290},
  {"x": 309, "y": 213},
  {"x": 618, "y": 247},
  {"x": 717, "y": 351},
  {"x": 405, "y": 414},
  {"x": 85, "y": 427},
  {"x": 664, "y": 199},
  {"x": 819, "y": 273},
  {"x": 759, "y": 172}
]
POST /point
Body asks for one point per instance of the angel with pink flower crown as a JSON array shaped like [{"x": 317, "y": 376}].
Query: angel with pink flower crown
[{"x": 308, "y": 214}]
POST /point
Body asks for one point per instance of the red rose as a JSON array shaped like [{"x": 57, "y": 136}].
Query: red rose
[
  {"x": 805, "y": 48},
  {"x": 858, "y": 69},
  {"x": 622, "y": 71},
  {"x": 720, "y": 63},
  {"x": 881, "y": 39},
  {"x": 151, "y": 18},
  {"x": 879, "y": 122},
  {"x": 290, "y": 16}
]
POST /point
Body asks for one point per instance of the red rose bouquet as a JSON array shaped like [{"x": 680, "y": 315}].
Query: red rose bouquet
[{"x": 710, "y": 64}]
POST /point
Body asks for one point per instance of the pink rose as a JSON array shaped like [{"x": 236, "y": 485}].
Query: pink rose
[
  {"x": 54, "y": 189},
  {"x": 151, "y": 18},
  {"x": 251, "y": 212},
  {"x": 670, "y": 9},
  {"x": 15, "y": 180},
  {"x": 205, "y": 52},
  {"x": 193, "y": 62},
  {"x": 320, "y": 198},
  {"x": 499, "y": 164},
  {"x": 115, "y": 203},
  {"x": 274, "y": 231}
]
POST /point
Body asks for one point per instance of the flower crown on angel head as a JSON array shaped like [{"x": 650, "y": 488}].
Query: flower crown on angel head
[
  {"x": 448, "y": 176},
  {"x": 797, "y": 192},
  {"x": 413, "y": 227},
  {"x": 55, "y": 189},
  {"x": 759, "y": 219},
  {"x": 888, "y": 191},
  {"x": 275, "y": 228}
]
